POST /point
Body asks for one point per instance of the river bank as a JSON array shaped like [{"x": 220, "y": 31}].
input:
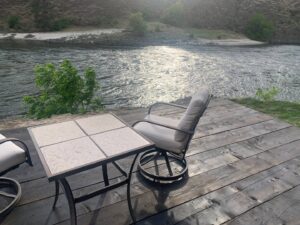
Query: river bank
[{"x": 164, "y": 35}]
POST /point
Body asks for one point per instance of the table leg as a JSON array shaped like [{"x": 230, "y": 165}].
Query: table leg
[
  {"x": 71, "y": 200},
  {"x": 128, "y": 190},
  {"x": 56, "y": 194},
  {"x": 104, "y": 172}
]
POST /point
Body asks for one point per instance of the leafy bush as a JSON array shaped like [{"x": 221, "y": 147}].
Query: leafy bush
[
  {"x": 260, "y": 28},
  {"x": 13, "y": 22},
  {"x": 106, "y": 21},
  {"x": 45, "y": 18},
  {"x": 174, "y": 15},
  {"x": 137, "y": 24},
  {"x": 62, "y": 90},
  {"x": 43, "y": 14},
  {"x": 267, "y": 95},
  {"x": 60, "y": 24},
  {"x": 157, "y": 28}
]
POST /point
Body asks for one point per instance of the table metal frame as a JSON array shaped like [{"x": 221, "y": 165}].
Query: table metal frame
[{"x": 72, "y": 201}]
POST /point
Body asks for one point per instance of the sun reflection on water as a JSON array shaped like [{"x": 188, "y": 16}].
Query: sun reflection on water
[{"x": 141, "y": 76}]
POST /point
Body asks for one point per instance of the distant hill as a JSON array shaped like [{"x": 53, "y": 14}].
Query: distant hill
[
  {"x": 214, "y": 14},
  {"x": 235, "y": 14}
]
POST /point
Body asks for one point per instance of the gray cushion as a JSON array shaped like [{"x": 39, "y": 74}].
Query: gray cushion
[
  {"x": 163, "y": 138},
  {"x": 10, "y": 155},
  {"x": 191, "y": 117},
  {"x": 172, "y": 140}
]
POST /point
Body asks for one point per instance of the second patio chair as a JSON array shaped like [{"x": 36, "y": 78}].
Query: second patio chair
[
  {"x": 171, "y": 138},
  {"x": 11, "y": 156}
]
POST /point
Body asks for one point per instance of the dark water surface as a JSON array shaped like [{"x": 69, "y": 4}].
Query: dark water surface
[{"x": 141, "y": 76}]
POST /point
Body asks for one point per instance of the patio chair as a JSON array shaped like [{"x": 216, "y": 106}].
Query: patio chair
[
  {"x": 11, "y": 156},
  {"x": 171, "y": 138}
]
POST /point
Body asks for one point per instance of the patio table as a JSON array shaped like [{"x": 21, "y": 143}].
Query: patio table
[{"x": 71, "y": 147}]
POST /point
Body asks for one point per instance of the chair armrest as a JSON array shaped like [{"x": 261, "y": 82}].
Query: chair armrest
[
  {"x": 163, "y": 125},
  {"x": 25, "y": 148},
  {"x": 164, "y": 103}
]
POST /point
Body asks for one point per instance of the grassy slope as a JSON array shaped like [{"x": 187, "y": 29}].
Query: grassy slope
[
  {"x": 193, "y": 32},
  {"x": 287, "y": 111}
]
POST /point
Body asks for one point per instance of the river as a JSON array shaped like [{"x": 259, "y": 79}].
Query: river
[{"x": 143, "y": 75}]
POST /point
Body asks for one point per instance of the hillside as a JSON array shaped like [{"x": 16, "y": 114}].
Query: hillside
[{"x": 212, "y": 14}]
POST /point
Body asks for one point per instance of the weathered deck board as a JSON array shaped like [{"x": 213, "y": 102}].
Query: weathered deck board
[
  {"x": 282, "y": 209},
  {"x": 219, "y": 177},
  {"x": 200, "y": 163},
  {"x": 235, "y": 199},
  {"x": 37, "y": 171},
  {"x": 239, "y": 161},
  {"x": 162, "y": 198}
]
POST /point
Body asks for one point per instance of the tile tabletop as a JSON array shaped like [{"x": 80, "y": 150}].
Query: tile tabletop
[{"x": 68, "y": 146}]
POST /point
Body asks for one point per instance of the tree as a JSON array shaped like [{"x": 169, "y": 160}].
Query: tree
[
  {"x": 43, "y": 14},
  {"x": 14, "y": 22},
  {"x": 137, "y": 24},
  {"x": 260, "y": 28},
  {"x": 174, "y": 15}
]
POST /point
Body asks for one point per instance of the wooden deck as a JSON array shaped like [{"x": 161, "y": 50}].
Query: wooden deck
[{"x": 244, "y": 169}]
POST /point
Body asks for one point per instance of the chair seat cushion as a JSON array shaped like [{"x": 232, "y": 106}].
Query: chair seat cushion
[
  {"x": 163, "y": 138},
  {"x": 10, "y": 155}
]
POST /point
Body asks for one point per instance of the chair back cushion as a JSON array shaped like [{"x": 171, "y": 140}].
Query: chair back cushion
[{"x": 195, "y": 110}]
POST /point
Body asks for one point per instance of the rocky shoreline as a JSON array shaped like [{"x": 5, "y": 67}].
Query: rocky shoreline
[{"x": 111, "y": 37}]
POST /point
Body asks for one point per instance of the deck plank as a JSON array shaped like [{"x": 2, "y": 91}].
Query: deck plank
[
  {"x": 283, "y": 209},
  {"x": 239, "y": 160},
  {"x": 37, "y": 171},
  {"x": 158, "y": 200},
  {"x": 199, "y": 163},
  {"x": 196, "y": 186},
  {"x": 233, "y": 199}
]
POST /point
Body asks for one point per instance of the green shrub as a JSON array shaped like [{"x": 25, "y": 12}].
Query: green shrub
[
  {"x": 260, "y": 28},
  {"x": 267, "y": 95},
  {"x": 60, "y": 24},
  {"x": 174, "y": 15},
  {"x": 62, "y": 90},
  {"x": 13, "y": 22},
  {"x": 137, "y": 24},
  {"x": 157, "y": 28},
  {"x": 45, "y": 18},
  {"x": 106, "y": 21},
  {"x": 191, "y": 35},
  {"x": 43, "y": 14}
]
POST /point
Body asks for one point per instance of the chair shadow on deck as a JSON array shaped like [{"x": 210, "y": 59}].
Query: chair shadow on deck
[{"x": 160, "y": 192}]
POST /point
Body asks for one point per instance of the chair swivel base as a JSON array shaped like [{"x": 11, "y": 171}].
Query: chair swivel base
[
  {"x": 10, "y": 184},
  {"x": 152, "y": 156}
]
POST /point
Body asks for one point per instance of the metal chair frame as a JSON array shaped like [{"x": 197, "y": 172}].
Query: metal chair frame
[
  {"x": 8, "y": 182},
  {"x": 179, "y": 158}
]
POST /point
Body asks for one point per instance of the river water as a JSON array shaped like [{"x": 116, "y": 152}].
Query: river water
[{"x": 141, "y": 76}]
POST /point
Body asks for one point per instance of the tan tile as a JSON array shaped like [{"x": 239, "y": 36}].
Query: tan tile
[
  {"x": 55, "y": 133},
  {"x": 69, "y": 155},
  {"x": 97, "y": 124},
  {"x": 119, "y": 141}
]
